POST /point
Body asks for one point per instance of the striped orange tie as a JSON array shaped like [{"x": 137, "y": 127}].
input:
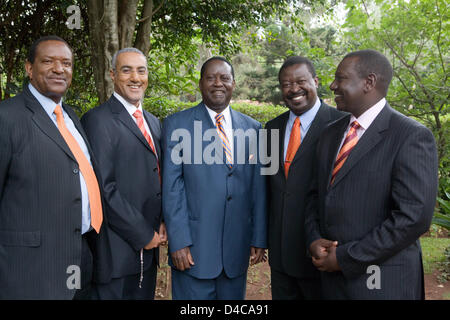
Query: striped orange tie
[
  {"x": 349, "y": 143},
  {"x": 294, "y": 143},
  {"x": 86, "y": 169},
  {"x": 225, "y": 143},
  {"x": 140, "y": 123}
]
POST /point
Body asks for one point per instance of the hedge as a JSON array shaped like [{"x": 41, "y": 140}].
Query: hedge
[{"x": 262, "y": 112}]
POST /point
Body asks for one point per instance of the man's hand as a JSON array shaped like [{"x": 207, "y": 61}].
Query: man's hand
[
  {"x": 163, "y": 233},
  {"x": 320, "y": 247},
  {"x": 182, "y": 259},
  {"x": 257, "y": 255},
  {"x": 328, "y": 262},
  {"x": 156, "y": 241}
]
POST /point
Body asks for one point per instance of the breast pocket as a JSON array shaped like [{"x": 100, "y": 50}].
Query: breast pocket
[{"x": 20, "y": 238}]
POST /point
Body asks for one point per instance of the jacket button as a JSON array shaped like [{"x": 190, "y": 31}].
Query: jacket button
[
  {"x": 75, "y": 171},
  {"x": 230, "y": 174},
  {"x": 77, "y": 230},
  {"x": 229, "y": 198}
]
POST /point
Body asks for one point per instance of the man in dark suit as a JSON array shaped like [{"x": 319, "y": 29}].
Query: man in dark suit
[
  {"x": 292, "y": 274},
  {"x": 215, "y": 211},
  {"x": 375, "y": 190},
  {"x": 50, "y": 202},
  {"x": 125, "y": 139}
]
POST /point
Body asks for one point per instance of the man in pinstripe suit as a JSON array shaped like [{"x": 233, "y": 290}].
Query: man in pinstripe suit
[
  {"x": 45, "y": 206},
  {"x": 374, "y": 192}
]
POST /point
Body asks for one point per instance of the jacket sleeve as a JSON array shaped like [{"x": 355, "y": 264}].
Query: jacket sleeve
[
  {"x": 127, "y": 221},
  {"x": 174, "y": 202},
  {"x": 259, "y": 212},
  {"x": 414, "y": 184}
]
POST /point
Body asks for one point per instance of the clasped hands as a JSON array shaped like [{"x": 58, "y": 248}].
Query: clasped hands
[
  {"x": 182, "y": 259},
  {"x": 159, "y": 238},
  {"x": 323, "y": 253}
]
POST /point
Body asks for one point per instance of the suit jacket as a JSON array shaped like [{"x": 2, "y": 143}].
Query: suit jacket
[
  {"x": 217, "y": 212},
  {"x": 40, "y": 203},
  {"x": 130, "y": 182},
  {"x": 380, "y": 203},
  {"x": 287, "y": 198}
]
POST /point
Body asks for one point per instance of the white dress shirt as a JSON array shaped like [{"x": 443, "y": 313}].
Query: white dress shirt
[
  {"x": 364, "y": 120},
  {"x": 131, "y": 109},
  {"x": 227, "y": 125},
  {"x": 49, "y": 106},
  {"x": 305, "y": 122}
]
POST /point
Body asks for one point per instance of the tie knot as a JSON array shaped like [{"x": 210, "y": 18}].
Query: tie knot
[
  {"x": 355, "y": 125},
  {"x": 57, "y": 110},
  {"x": 137, "y": 114},
  {"x": 219, "y": 118}
]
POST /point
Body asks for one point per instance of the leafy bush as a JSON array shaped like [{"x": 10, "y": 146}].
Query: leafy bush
[{"x": 162, "y": 107}]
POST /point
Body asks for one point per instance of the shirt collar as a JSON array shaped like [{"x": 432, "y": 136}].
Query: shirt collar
[
  {"x": 307, "y": 117},
  {"x": 366, "y": 119},
  {"x": 48, "y": 104},
  {"x": 226, "y": 114},
  {"x": 131, "y": 108}
]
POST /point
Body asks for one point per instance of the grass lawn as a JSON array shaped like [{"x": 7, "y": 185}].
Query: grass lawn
[{"x": 433, "y": 252}]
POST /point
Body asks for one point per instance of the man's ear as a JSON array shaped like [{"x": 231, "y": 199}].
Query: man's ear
[
  {"x": 111, "y": 74},
  {"x": 370, "y": 82},
  {"x": 29, "y": 69}
]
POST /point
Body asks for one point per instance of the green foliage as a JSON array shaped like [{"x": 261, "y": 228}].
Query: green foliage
[
  {"x": 260, "y": 112},
  {"x": 257, "y": 68},
  {"x": 433, "y": 252},
  {"x": 163, "y": 107},
  {"x": 444, "y": 266},
  {"x": 414, "y": 35}
]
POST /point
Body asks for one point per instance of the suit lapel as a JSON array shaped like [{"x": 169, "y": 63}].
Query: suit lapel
[
  {"x": 123, "y": 116},
  {"x": 336, "y": 135},
  {"x": 155, "y": 132},
  {"x": 311, "y": 137},
  {"x": 201, "y": 114},
  {"x": 237, "y": 123},
  {"x": 44, "y": 123},
  {"x": 368, "y": 141},
  {"x": 281, "y": 126}
]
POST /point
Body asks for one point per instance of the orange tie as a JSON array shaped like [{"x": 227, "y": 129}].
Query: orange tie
[
  {"x": 294, "y": 142},
  {"x": 95, "y": 202},
  {"x": 140, "y": 123},
  {"x": 225, "y": 143},
  {"x": 349, "y": 143}
]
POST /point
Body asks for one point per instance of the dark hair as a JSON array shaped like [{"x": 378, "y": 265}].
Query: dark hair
[
  {"x": 298, "y": 60},
  {"x": 202, "y": 70},
  {"x": 33, "y": 48},
  {"x": 371, "y": 61}
]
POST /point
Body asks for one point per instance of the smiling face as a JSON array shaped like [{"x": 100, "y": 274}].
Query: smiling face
[
  {"x": 299, "y": 88},
  {"x": 130, "y": 77},
  {"x": 51, "y": 71},
  {"x": 217, "y": 85},
  {"x": 349, "y": 88}
]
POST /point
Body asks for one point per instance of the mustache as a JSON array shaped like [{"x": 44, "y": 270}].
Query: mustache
[{"x": 296, "y": 94}]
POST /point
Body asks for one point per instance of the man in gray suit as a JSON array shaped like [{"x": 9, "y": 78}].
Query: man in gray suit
[
  {"x": 50, "y": 203},
  {"x": 374, "y": 192}
]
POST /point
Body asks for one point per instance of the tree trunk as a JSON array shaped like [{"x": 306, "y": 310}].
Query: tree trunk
[
  {"x": 112, "y": 25},
  {"x": 103, "y": 26},
  {"x": 127, "y": 22},
  {"x": 145, "y": 28}
]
